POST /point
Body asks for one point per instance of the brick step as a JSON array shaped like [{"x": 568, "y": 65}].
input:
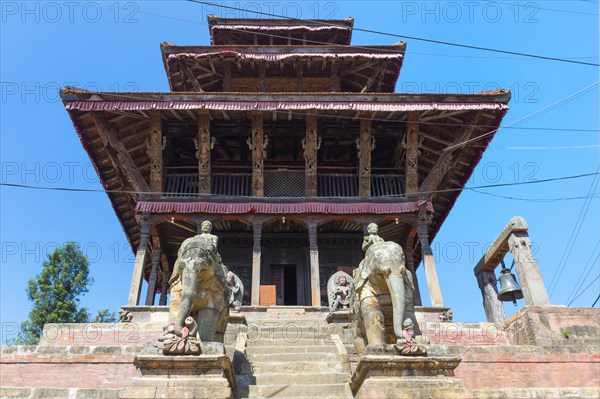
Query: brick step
[
  {"x": 292, "y": 335},
  {"x": 293, "y": 357},
  {"x": 59, "y": 393},
  {"x": 262, "y": 379},
  {"x": 254, "y": 343},
  {"x": 294, "y": 391},
  {"x": 270, "y": 349},
  {"x": 298, "y": 367}
]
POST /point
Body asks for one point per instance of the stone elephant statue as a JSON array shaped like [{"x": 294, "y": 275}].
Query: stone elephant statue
[
  {"x": 199, "y": 308},
  {"x": 382, "y": 309}
]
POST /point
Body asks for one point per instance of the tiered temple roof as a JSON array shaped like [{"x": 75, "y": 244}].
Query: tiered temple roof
[{"x": 287, "y": 80}]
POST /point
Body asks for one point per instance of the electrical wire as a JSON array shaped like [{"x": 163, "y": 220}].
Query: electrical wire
[
  {"x": 555, "y": 104},
  {"x": 576, "y": 229},
  {"x": 596, "y": 195},
  {"x": 454, "y": 44},
  {"x": 580, "y": 282},
  {"x": 584, "y": 290},
  {"x": 26, "y": 186}
]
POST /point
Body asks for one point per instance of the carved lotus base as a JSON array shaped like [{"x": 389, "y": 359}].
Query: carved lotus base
[{"x": 181, "y": 346}]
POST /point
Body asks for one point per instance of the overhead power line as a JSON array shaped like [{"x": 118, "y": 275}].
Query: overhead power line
[
  {"x": 574, "y": 233},
  {"x": 442, "y": 42},
  {"x": 584, "y": 290},
  {"x": 581, "y": 280},
  {"x": 596, "y": 195},
  {"x": 555, "y": 104},
  {"x": 26, "y": 186}
]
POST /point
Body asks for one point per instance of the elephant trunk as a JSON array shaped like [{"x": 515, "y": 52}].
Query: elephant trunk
[{"x": 395, "y": 285}]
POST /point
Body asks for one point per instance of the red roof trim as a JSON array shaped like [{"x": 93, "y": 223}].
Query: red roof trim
[{"x": 278, "y": 208}]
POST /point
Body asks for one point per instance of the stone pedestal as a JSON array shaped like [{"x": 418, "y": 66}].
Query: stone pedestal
[
  {"x": 400, "y": 377},
  {"x": 207, "y": 376}
]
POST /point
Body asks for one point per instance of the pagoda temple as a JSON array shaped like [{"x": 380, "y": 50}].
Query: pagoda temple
[{"x": 290, "y": 141}]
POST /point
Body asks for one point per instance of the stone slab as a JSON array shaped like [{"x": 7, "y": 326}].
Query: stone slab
[
  {"x": 401, "y": 369},
  {"x": 186, "y": 367}
]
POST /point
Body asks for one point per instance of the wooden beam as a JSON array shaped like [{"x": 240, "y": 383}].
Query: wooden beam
[
  {"x": 335, "y": 76},
  {"x": 154, "y": 150},
  {"x": 256, "y": 262},
  {"x": 156, "y": 251},
  {"x": 311, "y": 144},
  {"x": 257, "y": 144},
  {"x": 315, "y": 287},
  {"x": 365, "y": 143},
  {"x": 433, "y": 284},
  {"x": 204, "y": 144},
  {"x": 227, "y": 77},
  {"x": 411, "y": 144},
  {"x": 499, "y": 248},
  {"x": 118, "y": 154},
  {"x": 261, "y": 77},
  {"x": 138, "y": 267},
  {"x": 442, "y": 166}
]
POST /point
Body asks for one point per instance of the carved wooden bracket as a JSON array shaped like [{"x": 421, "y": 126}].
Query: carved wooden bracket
[{"x": 118, "y": 154}]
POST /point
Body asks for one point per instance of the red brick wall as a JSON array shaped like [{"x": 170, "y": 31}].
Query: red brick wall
[
  {"x": 503, "y": 370},
  {"x": 38, "y": 370}
]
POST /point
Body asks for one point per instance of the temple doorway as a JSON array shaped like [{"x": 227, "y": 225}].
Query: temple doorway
[{"x": 283, "y": 277}]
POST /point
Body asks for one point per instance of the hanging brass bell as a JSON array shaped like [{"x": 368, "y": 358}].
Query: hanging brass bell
[{"x": 509, "y": 288}]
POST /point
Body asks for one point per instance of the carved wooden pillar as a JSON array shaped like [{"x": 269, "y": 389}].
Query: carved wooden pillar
[
  {"x": 258, "y": 143},
  {"x": 138, "y": 267},
  {"x": 256, "y": 260},
  {"x": 154, "y": 271},
  {"x": 166, "y": 275},
  {"x": 494, "y": 309},
  {"x": 412, "y": 155},
  {"x": 315, "y": 281},
  {"x": 335, "y": 77},
  {"x": 365, "y": 144},
  {"x": 311, "y": 144},
  {"x": 262, "y": 87},
  {"x": 204, "y": 144},
  {"x": 430, "y": 272},
  {"x": 227, "y": 76},
  {"x": 528, "y": 271},
  {"x": 155, "y": 149}
]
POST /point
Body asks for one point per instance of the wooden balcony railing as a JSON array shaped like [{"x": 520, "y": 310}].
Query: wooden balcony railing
[{"x": 282, "y": 183}]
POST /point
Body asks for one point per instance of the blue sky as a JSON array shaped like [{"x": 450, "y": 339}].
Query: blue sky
[{"x": 114, "y": 46}]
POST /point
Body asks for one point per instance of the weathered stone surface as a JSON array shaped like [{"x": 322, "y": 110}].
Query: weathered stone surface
[
  {"x": 97, "y": 394},
  {"x": 14, "y": 392},
  {"x": 413, "y": 388},
  {"x": 47, "y": 393},
  {"x": 199, "y": 307},
  {"x": 403, "y": 369}
]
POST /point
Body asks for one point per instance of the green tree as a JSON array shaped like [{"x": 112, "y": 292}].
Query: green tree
[{"x": 55, "y": 294}]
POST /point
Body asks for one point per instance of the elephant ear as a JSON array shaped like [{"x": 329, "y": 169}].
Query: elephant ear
[{"x": 367, "y": 266}]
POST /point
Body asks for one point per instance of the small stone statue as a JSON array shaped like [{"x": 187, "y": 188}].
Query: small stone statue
[
  {"x": 125, "y": 315},
  {"x": 340, "y": 289},
  {"x": 372, "y": 237},
  {"x": 236, "y": 291},
  {"x": 446, "y": 316}
]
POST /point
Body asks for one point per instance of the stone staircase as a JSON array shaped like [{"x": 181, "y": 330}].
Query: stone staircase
[{"x": 293, "y": 358}]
